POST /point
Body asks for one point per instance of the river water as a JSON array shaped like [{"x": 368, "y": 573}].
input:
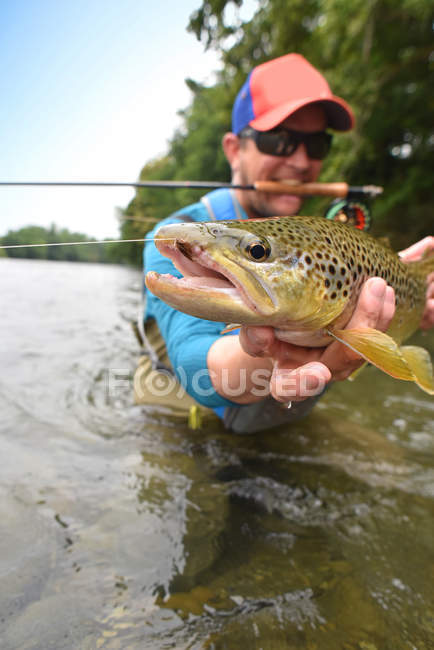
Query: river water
[{"x": 120, "y": 528}]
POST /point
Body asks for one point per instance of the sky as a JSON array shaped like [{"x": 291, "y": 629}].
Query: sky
[{"x": 89, "y": 90}]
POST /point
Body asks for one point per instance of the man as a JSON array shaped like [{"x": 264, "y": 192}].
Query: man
[{"x": 279, "y": 123}]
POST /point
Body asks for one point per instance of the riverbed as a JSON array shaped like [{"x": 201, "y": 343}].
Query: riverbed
[{"x": 121, "y": 528}]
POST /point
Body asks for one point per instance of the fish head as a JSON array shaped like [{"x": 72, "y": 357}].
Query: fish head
[{"x": 257, "y": 271}]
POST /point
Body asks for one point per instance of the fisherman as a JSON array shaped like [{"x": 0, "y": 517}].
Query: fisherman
[{"x": 280, "y": 123}]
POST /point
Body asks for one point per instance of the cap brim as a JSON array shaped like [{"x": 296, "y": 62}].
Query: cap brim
[{"x": 339, "y": 114}]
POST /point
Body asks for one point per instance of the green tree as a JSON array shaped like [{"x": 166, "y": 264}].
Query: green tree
[
  {"x": 26, "y": 235},
  {"x": 52, "y": 235}
]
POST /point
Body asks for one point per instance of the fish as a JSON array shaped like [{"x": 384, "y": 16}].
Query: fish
[{"x": 300, "y": 275}]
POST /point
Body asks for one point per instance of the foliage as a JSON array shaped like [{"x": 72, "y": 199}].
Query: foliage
[
  {"x": 40, "y": 235},
  {"x": 377, "y": 54}
]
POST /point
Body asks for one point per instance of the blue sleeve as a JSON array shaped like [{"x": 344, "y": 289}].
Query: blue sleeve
[{"x": 188, "y": 339}]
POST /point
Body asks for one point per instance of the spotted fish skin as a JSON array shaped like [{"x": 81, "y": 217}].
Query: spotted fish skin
[
  {"x": 311, "y": 278},
  {"x": 340, "y": 259},
  {"x": 300, "y": 275}
]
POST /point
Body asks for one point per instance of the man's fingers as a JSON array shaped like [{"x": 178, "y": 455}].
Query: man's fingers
[
  {"x": 370, "y": 309},
  {"x": 288, "y": 385},
  {"x": 260, "y": 341},
  {"x": 428, "y": 314},
  {"x": 257, "y": 341},
  {"x": 428, "y": 317},
  {"x": 387, "y": 311},
  {"x": 416, "y": 251}
]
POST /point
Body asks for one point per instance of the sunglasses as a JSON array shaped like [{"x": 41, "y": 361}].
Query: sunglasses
[{"x": 283, "y": 142}]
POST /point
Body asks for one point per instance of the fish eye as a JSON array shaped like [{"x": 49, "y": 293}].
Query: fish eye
[{"x": 258, "y": 251}]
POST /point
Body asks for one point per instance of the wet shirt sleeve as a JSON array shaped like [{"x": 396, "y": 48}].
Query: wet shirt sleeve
[{"x": 188, "y": 339}]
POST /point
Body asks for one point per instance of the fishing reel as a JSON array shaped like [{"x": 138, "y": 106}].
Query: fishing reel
[{"x": 352, "y": 211}]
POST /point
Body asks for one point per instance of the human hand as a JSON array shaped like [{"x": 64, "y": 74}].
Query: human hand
[
  {"x": 300, "y": 372},
  {"x": 412, "y": 254}
]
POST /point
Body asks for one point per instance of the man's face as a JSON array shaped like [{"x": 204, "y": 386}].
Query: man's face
[{"x": 250, "y": 165}]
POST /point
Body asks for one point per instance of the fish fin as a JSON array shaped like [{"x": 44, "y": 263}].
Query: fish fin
[
  {"x": 419, "y": 361},
  {"x": 230, "y": 328},
  {"x": 356, "y": 373},
  {"x": 408, "y": 363}
]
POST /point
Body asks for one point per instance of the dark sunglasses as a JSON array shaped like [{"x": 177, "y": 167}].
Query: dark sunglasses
[{"x": 283, "y": 142}]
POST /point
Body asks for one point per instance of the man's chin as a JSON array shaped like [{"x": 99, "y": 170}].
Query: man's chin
[{"x": 284, "y": 204}]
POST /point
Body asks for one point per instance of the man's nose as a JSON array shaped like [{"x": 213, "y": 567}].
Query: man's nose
[{"x": 299, "y": 158}]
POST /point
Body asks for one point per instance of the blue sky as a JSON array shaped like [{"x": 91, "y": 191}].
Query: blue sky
[{"x": 89, "y": 90}]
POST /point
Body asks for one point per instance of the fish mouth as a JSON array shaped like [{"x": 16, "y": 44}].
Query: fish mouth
[
  {"x": 205, "y": 282},
  {"x": 202, "y": 274}
]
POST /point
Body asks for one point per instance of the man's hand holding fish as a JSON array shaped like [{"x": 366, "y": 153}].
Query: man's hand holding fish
[
  {"x": 413, "y": 254},
  {"x": 315, "y": 367}
]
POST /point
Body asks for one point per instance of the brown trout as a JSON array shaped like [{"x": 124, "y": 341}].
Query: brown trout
[{"x": 300, "y": 275}]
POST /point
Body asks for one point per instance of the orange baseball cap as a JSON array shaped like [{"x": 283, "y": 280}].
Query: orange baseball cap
[{"x": 276, "y": 89}]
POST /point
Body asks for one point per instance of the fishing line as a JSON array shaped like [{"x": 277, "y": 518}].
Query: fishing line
[{"x": 79, "y": 243}]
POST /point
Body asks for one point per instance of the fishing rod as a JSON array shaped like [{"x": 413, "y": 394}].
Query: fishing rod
[{"x": 337, "y": 190}]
